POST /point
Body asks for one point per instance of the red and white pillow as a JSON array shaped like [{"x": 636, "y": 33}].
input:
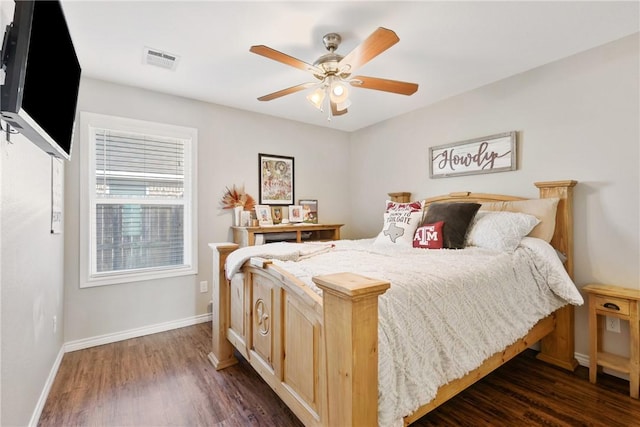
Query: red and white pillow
[
  {"x": 429, "y": 236},
  {"x": 400, "y": 223}
]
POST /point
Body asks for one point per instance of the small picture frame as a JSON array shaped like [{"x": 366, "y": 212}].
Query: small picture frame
[
  {"x": 309, "y": 211},
  {"x": 295, "y": 213},
  {"x": 245, "y": 219},
  {"x": 263, "y": 214},
  {"x": 276, "y": 214}
]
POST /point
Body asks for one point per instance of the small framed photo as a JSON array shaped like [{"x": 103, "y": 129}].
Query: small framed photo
[
  {"x": 276, "y": 214},
  {"x": 295, "y": 213},
  {"x": 245, "y": 219},
  {"x": 263, "y": 213},
  {"x": 309, "y": 211}
]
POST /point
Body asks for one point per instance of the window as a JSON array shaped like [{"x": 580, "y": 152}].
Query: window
[{"x": 139, "y": 207}]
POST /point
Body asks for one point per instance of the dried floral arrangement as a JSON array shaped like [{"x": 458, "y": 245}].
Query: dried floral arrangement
[{"x": 235, "y": 197}]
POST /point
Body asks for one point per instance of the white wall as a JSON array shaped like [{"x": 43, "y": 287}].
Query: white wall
[
  {"x": 228, "y": 145},
  {"x": 577, "y": 118},
  {"x": 31, "y": 275}
]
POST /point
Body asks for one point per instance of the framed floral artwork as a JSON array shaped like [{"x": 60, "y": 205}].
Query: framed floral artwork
[{"x": 276, "y": 176}]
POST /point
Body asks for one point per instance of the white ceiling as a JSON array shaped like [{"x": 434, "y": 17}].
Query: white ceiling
[{"x": 446, "y": 47}]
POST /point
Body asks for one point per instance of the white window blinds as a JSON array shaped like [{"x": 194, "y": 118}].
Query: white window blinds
[{"x": 140, "y": 203}]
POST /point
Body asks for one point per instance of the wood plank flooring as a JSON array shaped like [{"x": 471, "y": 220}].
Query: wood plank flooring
[{"x": 166, "y": 379}]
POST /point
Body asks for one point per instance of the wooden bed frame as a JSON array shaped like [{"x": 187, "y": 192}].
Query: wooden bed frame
[{"x": 319, "y": 353}]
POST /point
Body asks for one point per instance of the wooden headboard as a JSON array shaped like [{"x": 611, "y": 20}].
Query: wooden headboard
[{"x": 563, "y": 233}]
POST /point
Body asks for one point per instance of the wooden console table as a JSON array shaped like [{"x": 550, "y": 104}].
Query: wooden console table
[{"x": 246, "y": 236}]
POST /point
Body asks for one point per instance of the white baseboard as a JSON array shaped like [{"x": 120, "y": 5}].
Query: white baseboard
[
  {"x": 134, "y": 333},
  {"x": 35, "y": 417},
  {"x": 583, "y": 359}
]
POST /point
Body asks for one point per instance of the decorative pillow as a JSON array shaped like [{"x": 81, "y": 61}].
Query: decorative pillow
[
  {"x": 456, "y": 217},
  {"x": 543, "y": 209},
  {"x": 429, "y": 236},
  {"x": 500, "y": 231},
  {"x": 400, "y": 223}
]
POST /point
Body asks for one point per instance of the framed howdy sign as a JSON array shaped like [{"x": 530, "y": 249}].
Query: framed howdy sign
[{"x": 495, "y": 153}]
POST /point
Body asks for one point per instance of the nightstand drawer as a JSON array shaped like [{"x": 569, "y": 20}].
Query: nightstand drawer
[{"x": 612, "y": 305}]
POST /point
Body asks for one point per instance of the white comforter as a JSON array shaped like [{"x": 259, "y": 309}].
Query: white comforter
[{"x": 446, "y": 311}]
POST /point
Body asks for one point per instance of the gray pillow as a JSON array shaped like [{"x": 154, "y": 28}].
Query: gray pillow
[{"x": 456, "y": 217}]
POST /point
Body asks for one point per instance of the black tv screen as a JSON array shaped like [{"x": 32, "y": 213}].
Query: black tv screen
[{"x": 40, "y": 93}]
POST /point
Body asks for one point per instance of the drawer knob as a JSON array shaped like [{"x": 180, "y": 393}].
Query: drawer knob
[{"x": 611, "y": 306}]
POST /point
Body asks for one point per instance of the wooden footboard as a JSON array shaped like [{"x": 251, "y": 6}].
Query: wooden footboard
[
  {"x": 306, "y": 347},
  {"x": 320, "y": 354}
]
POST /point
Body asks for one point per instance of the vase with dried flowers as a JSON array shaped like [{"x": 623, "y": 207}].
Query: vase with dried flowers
[{"x": 236, "y": 199}]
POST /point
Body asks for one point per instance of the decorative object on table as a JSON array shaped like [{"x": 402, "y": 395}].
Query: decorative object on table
[
  {"x": 309, "y": 210},
  {"x": 276, "y": 214},
  {"x": 495, "y": 153},
  {"x": 245, "y": 219},
  {"x": 238, "y": 200},
  {"x": 276, "y": 175},
  {"x": 263, "y": 213},
  {"x": 295, "y": 213}
]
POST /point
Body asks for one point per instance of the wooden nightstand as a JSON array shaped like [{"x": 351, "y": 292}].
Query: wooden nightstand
[{"x": 624, "y": 303}]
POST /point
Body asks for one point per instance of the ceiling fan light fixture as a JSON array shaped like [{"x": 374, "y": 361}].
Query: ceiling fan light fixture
[
  {"x": 339, "y": 92},
  {"x": 316, "y": 98}
]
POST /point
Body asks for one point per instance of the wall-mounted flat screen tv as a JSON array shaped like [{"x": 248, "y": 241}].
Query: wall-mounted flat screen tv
[{"x": 42, "y": 76}]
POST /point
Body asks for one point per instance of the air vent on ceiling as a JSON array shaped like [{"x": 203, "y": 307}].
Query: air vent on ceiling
[{"x": 160, "y": 59}]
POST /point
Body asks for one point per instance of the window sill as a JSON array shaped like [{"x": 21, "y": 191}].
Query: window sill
[{"x": 128, "y": 277}]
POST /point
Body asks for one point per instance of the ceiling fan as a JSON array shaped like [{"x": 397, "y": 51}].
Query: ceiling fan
[{"x": 334, "y": 71}]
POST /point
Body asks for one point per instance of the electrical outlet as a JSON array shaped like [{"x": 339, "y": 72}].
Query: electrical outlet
[
  {"x": 613, "y": 324},
  {"x": 204, "y": 286},
  {"x": 55, "y": 324}
]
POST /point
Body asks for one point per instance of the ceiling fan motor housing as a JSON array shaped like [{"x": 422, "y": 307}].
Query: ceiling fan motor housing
[
  {"x": 329, "y": 62},
  {"x": 331, "y": 41}
]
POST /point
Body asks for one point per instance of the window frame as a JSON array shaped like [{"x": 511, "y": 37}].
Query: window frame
[{"x": 90, "y": 121}]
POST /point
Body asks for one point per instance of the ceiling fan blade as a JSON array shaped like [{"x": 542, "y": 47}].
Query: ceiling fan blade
[
  {"x": 267, "y": 52},
  {"x": 386, "y": 85},
  {"x": 379, "y": 41},
  {"x": 287, "y": 91},
  {"x": 335, "y": 111}
]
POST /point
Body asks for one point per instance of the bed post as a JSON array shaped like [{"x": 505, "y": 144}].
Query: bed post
[
  {"x": 558, "y": 348},
  {"x": 221, "y": 354},
  {"x": 350, "y": 305}
]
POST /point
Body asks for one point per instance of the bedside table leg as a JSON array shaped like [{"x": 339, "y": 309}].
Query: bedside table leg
[
  {"x": 634, "y": 371},
  {"x": 594, "y": 328}
]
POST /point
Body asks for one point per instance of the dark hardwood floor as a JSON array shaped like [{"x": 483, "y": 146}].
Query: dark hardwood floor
[{"x": 166, "y": 379}]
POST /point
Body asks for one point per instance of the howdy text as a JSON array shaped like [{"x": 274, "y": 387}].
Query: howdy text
[{"x": 483, "y": 159}]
